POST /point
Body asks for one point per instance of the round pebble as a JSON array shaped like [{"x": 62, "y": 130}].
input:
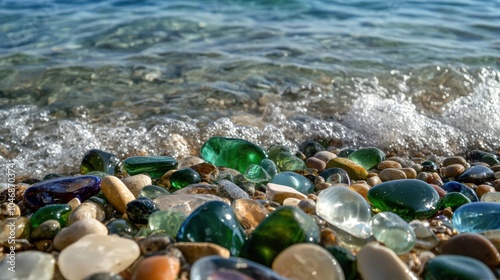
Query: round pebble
[
  {"x": 388, "y": 164},
  {"x": 136, "y": 183},
  {"x": 454, "y": 170},
  {"x": 484, "y": 189},
  {"x": 46, "y": 230},
  {"x": 158, "y": 268},
  {"x": 316, "y": 163},
  {"x": 375, "y": 262},
  {"x": 454, "y": 160},
  {"x": 77, "y": 230},
  {"x": 87, "y": 210},
  {"x": 390, "y": 174},
  {"x": 325, "y": 156},
  {"x": 307, "y": 205}
]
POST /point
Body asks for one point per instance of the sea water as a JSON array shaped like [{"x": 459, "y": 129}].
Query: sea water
[{"x": 161, "y": 77}]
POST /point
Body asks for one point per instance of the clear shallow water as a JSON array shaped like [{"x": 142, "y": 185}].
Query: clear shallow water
[{"x": 161, "y": 77}]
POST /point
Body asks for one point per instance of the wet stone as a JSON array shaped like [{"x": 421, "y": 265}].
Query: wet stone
[
  {"x": 97, "y": 160},
  {"x": 233, "y": 268},
  {"x": 29, "y": 265},
  {"x": 456, "y": 267},
  {"x": 96, "y": 253},
  {"x": 477, "y": 217},
  {"x": 136, "y": 183},
  {"x": 393, "y": 232},
  {"x": 122, "y": 228},
  {"x": 453, "y": 200},
  {"x": 308, "y": 206},
  {"x": 152, "y": 192},
  {"x": 335, "y": 175},
  {"x": 79, "y": 229},
  {"x": 410, "y": 199},
  {"x": 295, "y": 181},
  {"x": 453, "y": 186},
  {"x": 220, "y": 220},
  {"x": 231, "y": 191},
  {"x": 284, "y": 227},
  {"x": 325, "y": 156},
  {"x": 232, "y": 153},
  {"x": 181, "y": 178},
  {"x": 476, "y": 174},
  {"x": 46, "y": 230},
  {"x": 355, "y": 171},
  {"x": 9, "y": 210},
  {"x": 154, "y": 166},
  {"x": 368, "y": 158},
  {"x": 139, "y": 210},
  {"x": 345, "y": 209},
  {"x": 61, "y": 190},
  {"x": 472, "y": 245},
  {"x": 58, "y": 212},
  {"x": 309, "y": 262}
]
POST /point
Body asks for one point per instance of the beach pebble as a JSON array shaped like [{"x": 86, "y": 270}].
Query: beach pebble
[
  {"x": 484, "y": 189},
  {"x": 291, "y": 201},
  {"x": 77, "y": 230},
  {"x": 231, "y": 191},
  {"x": 375, "y": 262},
  {"x": 136, "y": 183},
  {"x": 362, "y": 189},
  {"x": 388, "y": 164},
  {"x": 158, "y": 268},
  {"x": 491, "y": 197},
  {"x": 207, "y": 171},
  {"x": 95, "y": 253},
  {"x": 188, "y": 162},
  {"x": 454, "y": 170},
  {"x": 316, "y": 163},
  {"x": 116, "y": 193},
  {"x": 390, "y": 174},
  {"x": 325, "y": 156},
  {"x": 87, "y": 210},
  {"x": 307, "y": 205},
  {"x": 279, "y": 193},
  {"x": 193, "y": 251},
  {"x": 472, "y": 245},
  {"x": 249, "y": 212},
  {"x": 355, "y": 171},
  {"x": 46, "y": 230},
  {"x": 154, "y": 243},
  {"x": 455, "y": 160},
  {"x": 28, "y": 265},
  {"x": 308, "y": 262},
  {"x": 373, "y": 181},
  {"x": 184, "y": 203},
  {"x": 9, "y": 210}
]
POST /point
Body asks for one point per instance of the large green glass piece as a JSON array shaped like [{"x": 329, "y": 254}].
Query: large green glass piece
[
  {"x": 456, "y": 267},
  {"x": 154, "y": 166},
  {"x": 410, "y": 199},
  {"x": 214, "y": 222},
  {"x": 168, "y": 221},
  {"x": 453, "y": 200},
  {"x": 369, "y": 158},
  {"x": 59, "y": 212},
  {"x": 181, "y": 178},
  {"x": 97, "y": 160},
  {"x": 284, "y": 227},
  {"x": 256, "y": 174},
  {"x": 232, "y": 153}
]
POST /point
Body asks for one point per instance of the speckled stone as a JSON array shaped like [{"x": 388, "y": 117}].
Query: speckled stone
[
  {"x": 136, "y": 183},
  {"x": 77, "y": 230},
  {"x": 46, "y": 230},
  {"x": 116, "y": 193},
  {"x": 376, "y": 262},
  {"x": 87, "y": 210},
  {"x": 231, "y": 191},
  {"x": 355, "y": 171}
]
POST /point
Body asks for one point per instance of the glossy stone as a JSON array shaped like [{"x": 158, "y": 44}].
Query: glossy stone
[
  {"x": 425, "y": 237},
  {"x": 472, "y": 245},
  {"x": 453, "y": 200},
  {"x": 456, "y": 267},
  {"x": 213, "y": 222},
  {"x": 58, "y": 212},
  {"x": 284, "y": 227},
  {"x": 79, "y": 229},
  {"x": 269, "y": 166},
  {"x": 477, "y": 174},
  {"x": 295, "y": 181},
  {"x": 96, "y": 253},
  {"x": 368, "y": 158},
  {"x": 429, "y": 166},
  {"x": 28, "y": 265},
  {"x": 410, "y": 199},
  {"x": 185, "y": 203},
  {"x": 233, "y": 153},
  {"x": 309, "y": 148},
  {"x": 19, "y": 226},
  {"x": 249, "y": 212},
  {"x": 308, "y": 262},
  {"x": 168, "y": 221},
  {"x": 393, "y": 232},
  {"x": 217, "y": 268},
  {"x": 154, "y": 166},
  {"x": 139, "y": 210},
  {"x": 152, "y": 192},
  {"x": 61, "y": 190},
  {"x": 97, "y": 160},
  {"x": 181, "y": 178},
  {"x": 453, "y": 186},
  {"x": 256, "y": 174},
  {"x": 193, "y": 251},
  {"x": 345, "y": 209},
  {"x": 355, "y": 171},
  {"x": 335, "y": 175},
  {"x": 122, "y": 228},
  {"x": 158, "y": 268},
  {"x": 286, "y": 161},
  {"x": 477, "y": 217},
  {"x": 375, "y": 261}
]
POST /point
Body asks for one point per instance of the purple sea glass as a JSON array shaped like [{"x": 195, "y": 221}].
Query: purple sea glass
[{"x": 61, "y": 190}]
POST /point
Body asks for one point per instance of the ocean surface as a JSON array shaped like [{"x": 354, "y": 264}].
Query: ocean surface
[{"x": 160, "y": 77}]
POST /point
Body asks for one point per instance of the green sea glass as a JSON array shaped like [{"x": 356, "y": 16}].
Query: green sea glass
[
  {"x": 168, "y": 221},
  {"x": 369, "y": 158},
  {"x": 154, "y": 166},
  {"x": 453, "y": 200},
  {"x": 256, "y": 174},
  {"x": 58, "y": 212},
  {"x": 183, "y": 177},
  {"x": 97, "y": 160},
  {"x": 152, "y": 192}
]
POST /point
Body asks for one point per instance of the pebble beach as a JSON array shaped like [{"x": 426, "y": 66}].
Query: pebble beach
[{"x": 239, "y": 211}]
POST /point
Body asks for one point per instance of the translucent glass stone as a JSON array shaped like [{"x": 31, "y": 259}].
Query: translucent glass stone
[
  {"x": 58, "y": 212},
  {"x": 393, "y": 231},
  {"x": 491, "y": 197},
  {"x": 153, "y": 192},
  {"x": 154, "y": 166},
  {"x": 168, "y": 221},
  {"x": 369, "y": 158},
  {"x": 345, "y": 209},
  {"x": 477, "y": 217},
  {"x": 256, "y": 174},
  {"x": 294, "y": 180}
]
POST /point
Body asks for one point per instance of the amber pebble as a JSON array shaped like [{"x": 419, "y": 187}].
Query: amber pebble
[
  {"x": 362, "y": 189},
  {"x": 483, "y": 189},
  {"x": 373, "y": 181},
  {"x": 193, "y": 251},
  {"x": 411, "y": 173},
  {"x": 116, "y": 193},
  {"x": 454, "y": 170},
  {"x": 390, "y": 174},
  {"x": 388, "y": 164},
  {"x": 158, "y": 268}
]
